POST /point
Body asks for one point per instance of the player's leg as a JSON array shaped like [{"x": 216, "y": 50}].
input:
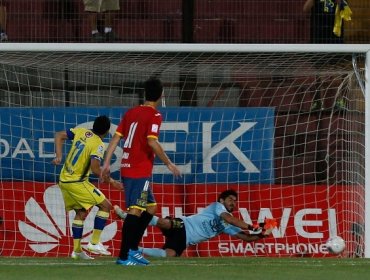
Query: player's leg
[
  {"x": 146, "y": 215},
  {"x": 161, "y": 223},
  {"x": 174, "y": 246},
  {"x": 144, "y": 219},
  {"x": 95, "y": 246},
  {"x": 109, "y": 7},
  {"x": 78, "y": 222},
  {"x": 93, "y": 7},
  {"x": 84, "y": 195},
  {"x": 77, "y": 230},
  {"x": 95, "y": 197},
  {"x": 136, "y": 193},
  {"x": 155, "y": 252}
]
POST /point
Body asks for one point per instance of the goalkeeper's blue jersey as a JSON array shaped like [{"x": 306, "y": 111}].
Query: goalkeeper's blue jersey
[{"x": 207, "y": 224}]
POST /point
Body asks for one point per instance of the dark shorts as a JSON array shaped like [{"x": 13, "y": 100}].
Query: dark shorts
[
  {"x": 138, "y": 193},
  {"x": 175, "y": 239}
]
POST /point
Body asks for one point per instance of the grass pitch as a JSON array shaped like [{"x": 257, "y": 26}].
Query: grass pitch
[{"x": 187, "y": 268}]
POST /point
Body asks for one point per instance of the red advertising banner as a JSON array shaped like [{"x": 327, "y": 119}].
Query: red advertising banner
[{"x": 33, "y": 221}]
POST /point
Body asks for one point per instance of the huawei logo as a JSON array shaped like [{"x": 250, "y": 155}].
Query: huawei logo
[{"x": 46, "y": 227}]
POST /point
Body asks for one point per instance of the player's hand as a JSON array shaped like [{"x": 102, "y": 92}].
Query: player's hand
[
  {"x": 173, "y": 168},
  {"x": 255, "y": 229},
  {"x": 268, "y": 225},
  {"x": 105, "y": 171},
  {"x": 117, "y": 185},
  {"x": 56, "y": 160},
  {"x": 263, "y": 229}
]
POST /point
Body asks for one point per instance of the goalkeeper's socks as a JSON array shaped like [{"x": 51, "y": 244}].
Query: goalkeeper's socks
[
  {"x": 153, "y": 252},
  {"x": 154, "y": 221}
]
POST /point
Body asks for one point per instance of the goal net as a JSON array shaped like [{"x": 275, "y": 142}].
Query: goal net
[{"x": 286, "y": 130}]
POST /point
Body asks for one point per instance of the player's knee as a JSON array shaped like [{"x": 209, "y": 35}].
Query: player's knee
[
  {"x": 152, "y": 209},
  {"x": 164, "y": 223},
  {"x": 81, "y": 214},
  {"x": 105, "y": 206}
]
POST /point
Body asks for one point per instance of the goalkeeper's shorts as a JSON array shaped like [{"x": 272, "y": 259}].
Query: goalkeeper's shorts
[{"x": 176, "y": 236}]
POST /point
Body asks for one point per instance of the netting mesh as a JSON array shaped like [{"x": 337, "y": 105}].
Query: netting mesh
[{"x": 286, "y": 130}]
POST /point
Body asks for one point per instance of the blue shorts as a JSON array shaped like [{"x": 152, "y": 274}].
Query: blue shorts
[{"x": 138, "y": 193}]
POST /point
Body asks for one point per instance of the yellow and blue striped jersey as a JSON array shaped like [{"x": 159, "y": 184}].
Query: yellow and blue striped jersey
[{"x": 85, "y": 146}]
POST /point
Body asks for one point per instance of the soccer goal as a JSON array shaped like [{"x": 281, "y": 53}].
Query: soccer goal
[{"x": 286, "y": 126}]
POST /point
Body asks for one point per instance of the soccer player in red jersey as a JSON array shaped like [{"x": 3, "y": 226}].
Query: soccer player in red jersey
[{"x": 139, "y": 128}]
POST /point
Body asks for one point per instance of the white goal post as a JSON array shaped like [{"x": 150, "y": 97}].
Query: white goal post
[{"x": 286, "y": 125}]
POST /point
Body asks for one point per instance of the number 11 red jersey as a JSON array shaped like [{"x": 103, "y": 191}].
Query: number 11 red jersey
[{"x": 137, "y": 125}]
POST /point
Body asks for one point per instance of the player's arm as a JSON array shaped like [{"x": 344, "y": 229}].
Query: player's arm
[
  {"x": 264, "y": 228},
  {"x": 230, "y": 219},
  {"x": 245, "y": 236},
  {"x": 95, "y": 168},
  {"x": 158, "y": 150},
  {"x": 108, "y": 155},
  {"x": 59, "y": 140}
]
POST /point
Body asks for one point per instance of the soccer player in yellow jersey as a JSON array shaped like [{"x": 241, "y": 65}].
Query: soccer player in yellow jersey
[{"x": 79, "y": 194}]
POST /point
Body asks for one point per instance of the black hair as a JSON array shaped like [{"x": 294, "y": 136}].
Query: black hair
[
  {"x": 153, "y": 89},
  {"x": 101, "y": 125},
  {"x": 227, "y": 193}
]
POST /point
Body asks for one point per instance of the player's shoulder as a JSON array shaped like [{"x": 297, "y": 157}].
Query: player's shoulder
[
  {"x": 148, "y": 110},
  {"x": 213, "y": 206},
  {"x": 79, "y": 130},
  {"x": 218, "y": 207},
  {"x": 87, "y": 134}
]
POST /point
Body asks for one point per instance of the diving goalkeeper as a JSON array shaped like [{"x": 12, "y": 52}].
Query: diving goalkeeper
[{"x": 214, "y": 220}]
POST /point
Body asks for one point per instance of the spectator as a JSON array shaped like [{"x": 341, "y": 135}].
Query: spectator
[
  {"x": 106, "y": 9},
  {"x": 326, "y": 20},
  {"x": 326, "y": 28},
  {"x": 3, "y": 16}
]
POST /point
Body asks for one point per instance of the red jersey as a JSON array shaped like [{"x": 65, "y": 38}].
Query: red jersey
[{"x": 137, "y": 125}]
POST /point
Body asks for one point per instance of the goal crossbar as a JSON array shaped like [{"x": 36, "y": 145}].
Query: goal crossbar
[{"x": 158, "y": 47}]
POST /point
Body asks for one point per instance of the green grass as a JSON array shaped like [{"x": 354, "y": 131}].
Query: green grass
[{"x": 231, "y": 268}]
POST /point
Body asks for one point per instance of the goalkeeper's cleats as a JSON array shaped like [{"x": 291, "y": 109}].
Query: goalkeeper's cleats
[
  {"x": 127, "y": 262},
  {"x": 136, "y": 256},
  {"x": 80, "y": 256},
  {"x": 98, "y": 249},
  {"x": 119, "y": 212}
]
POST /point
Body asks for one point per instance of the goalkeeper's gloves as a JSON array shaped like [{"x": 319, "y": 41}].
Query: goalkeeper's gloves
[{"x": 263, "y": 229}]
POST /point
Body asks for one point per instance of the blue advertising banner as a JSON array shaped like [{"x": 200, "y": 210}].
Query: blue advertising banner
[{"x": 210, "y": 145}]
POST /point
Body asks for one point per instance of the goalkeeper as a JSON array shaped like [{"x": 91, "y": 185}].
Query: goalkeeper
[{"x": 212, "y": 221}]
